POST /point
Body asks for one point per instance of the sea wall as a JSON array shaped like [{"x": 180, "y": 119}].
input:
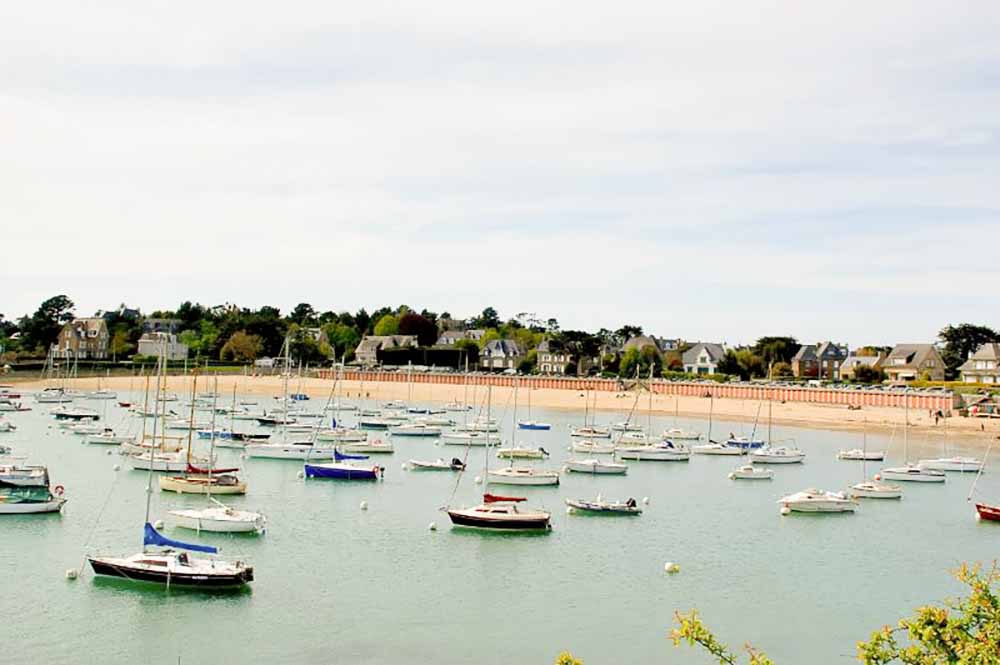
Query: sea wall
[{"x": 943, "y": 401}]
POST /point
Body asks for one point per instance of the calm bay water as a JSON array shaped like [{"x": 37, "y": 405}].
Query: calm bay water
[{"x": 336, "y": 584}]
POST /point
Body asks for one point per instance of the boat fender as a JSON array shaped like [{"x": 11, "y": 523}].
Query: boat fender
[
  {"x": 71, "y": 574},
  {"x": 158, "y": 524},
  {"x": 403, "y": 466},
  {"x": 58, "y": 490},
  {"x": 300, "y": 475},
  {"x": 478, "y": 480},
  {"x": 878, "y": 476},
  {"x": 117, "y": 467}
]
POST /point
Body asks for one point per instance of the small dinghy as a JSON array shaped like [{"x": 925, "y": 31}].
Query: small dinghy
[
  {"x": 874, "y": 489},
  {"x": 374, "y": 446},
  {"x": 522, "y": 453},
  {"x": 437, "y": 465},
  {"x": 533, "y": 425},
  {"x": 604, "y": 506},
  {"x": 596, "y": 467},
  {"x": 750, "y": 472}
]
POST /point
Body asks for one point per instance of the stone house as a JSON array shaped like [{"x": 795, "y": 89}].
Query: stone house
[
  {"x": 367, "y": 351},
  {"x": 983, "y": 366},
  {"x": 450, "y": 337},
  {"x": 551, "y": 360},
  {"x": 852, "y": 362},
  {"x": 819, "y": 361},
  {"x": 86, "y": 339},
  {"x": 908, "y": 362},
  {"x": 500, "y": 354}
]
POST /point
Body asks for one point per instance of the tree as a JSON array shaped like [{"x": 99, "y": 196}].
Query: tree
[
  {"x": 241, "y": 347},
  {"x": 960, "y": 341},
  {"x": 488, "y": 319},
  {"x": 867, "y": 374},
  {"x": 781, "y": 370},
  {"x": 776, "y": 349},
  {"x": 387, "y": 325},
  {"x": 342, "y": 338},
  {"x": 202, "y": 340},
  {"x": 303, "y": 314},
  {"x": 120, "y": 344},
  {"x": 566, "y": 658},
  {"x": 743, "y": 363},
  {"x": 965, "y": 631},
  {"x": 627, "y": 332},
  {"x": 641, "y": 359},
  {"x": 419, "y": 326},
  {"x": 41, "y": 329},
  {"x": 527, "y": 365}
]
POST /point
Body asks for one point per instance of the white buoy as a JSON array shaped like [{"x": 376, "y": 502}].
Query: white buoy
[
  {"x": 71, "y": 574},
  {"x": 432, "y": 527},
  {"x": 158, "y": 524},
  {"x": 117, "y": 467},
  {"x": 364, "y": 505},
  {"x": 403, "y": 466},
  {"x": 300, "y": 475},
  {"x": 645, "y": 500},
  {"x": 478, "y": 480},
  {"x": 671, "y": 567},
  {"x": 785, "y": 510},
  {"x": 569, "y": 510}
]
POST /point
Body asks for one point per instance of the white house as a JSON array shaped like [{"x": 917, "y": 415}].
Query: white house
[
  {"x": 703, "y": 358},
  {"x": 150, "y": 344},
  {"x": 983, "y": 366}
]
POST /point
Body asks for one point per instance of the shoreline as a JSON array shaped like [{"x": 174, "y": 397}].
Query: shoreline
[{"x": 798, "y": 414}]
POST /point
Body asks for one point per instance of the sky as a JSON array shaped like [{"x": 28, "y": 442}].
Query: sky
[{"x": 707, "y": 170}]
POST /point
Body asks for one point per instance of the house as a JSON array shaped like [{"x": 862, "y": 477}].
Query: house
[
  {"x": 908, "y": 362},
  {"x": 820, "y": 361},
  {"x": 983, "y": 366},
  {"x": 551, "y": 360},
  {"x": 500, "y": 354},
  {"x": 852, "y": 362},
  {"x": 450, "y": 337},
  {"x": 83, "y": 339},
  {"x": 703, "y": 358},
  {"x": 367, "y": 351},
  {"x": 150, "y": 344},
  {"x": 660, "y": 344},
  {"x": 161, "y": 325}
]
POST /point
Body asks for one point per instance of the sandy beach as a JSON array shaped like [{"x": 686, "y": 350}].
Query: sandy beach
[{"x": 614, "y": 406}]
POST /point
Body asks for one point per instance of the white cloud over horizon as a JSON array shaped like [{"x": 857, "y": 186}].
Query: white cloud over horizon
[{"x": 711, "y": 171}]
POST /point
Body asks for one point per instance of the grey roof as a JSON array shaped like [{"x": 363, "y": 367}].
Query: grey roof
[
  {"x": 831, "y": 351},
  {"x": 501, "y": 347},
  {"x": 988, "y": 351},
  {"x": 640, "y": 342},
  {"x": 715, "y": 351},
  {"x": 852, "y": 362},
  {"x": 913, "y": 354},
  {"x": 805, "y": 352}
]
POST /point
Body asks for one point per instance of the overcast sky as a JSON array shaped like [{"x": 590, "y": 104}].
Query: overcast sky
[{"x": 713, "y": 171}]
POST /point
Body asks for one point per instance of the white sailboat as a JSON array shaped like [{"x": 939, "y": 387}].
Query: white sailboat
[
  {"x": 520, "y": 475},
  {"x": 596, "y": 466},
  {"x": 714, "y": 447},
  {"x": 875, "y": 488},
  {"x": 958, "y": 463},
  {"x": 910, "y": 472}
]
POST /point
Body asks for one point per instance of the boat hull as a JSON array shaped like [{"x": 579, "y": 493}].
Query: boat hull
[
  {"x": 183, "y": 485},
  {"x": 523, "y": 479},
  {"x": 341, "y": 472},
  {"x": 595, "y": 508},
  {"x": 32, "y": 508},
  {"x": 110, "y": 568},
  {"x": 192, "y": 519},
  {"x": 597, "y": 468},
  {"x": 463, "y": 519},
  {"x": 911, "y": 476},
  {"x": 987, "y": 512},
  {"x": 288, "y": 452}
]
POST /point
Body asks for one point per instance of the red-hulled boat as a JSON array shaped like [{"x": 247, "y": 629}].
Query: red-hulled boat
[{"x": 988, "y": 512}]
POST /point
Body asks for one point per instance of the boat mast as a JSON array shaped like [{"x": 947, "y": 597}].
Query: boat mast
[
  {"x": 288, "y": 360},
  {"x": 152, "y": 449},
  {"x": 649, "y": 411},
  {"x": 980, "y": 472},
  {"x": 489, "y": 419},
  {"x": 513, "y": 421},
  {"x": 211, "y": 441},
  {"x": 906, "y": 428},
  {"x": 194, "y": 387},
  {"x": 711, "y": 409}
]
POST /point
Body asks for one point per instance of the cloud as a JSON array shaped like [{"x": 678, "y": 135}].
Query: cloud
[{"x": 712, "y": 171}]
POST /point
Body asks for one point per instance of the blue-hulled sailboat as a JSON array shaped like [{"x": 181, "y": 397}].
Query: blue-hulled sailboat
[{"x": 342, "y": 469}]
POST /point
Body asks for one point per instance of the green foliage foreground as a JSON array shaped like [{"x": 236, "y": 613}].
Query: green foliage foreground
[{"x": 965, "y": 631}]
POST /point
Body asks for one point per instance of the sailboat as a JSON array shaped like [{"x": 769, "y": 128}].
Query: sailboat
[
  {"x": 714, "y": 447},
  {"x": 501, "y": 513},
  {"x": 676, "y": 432},
  {"x": 604, "y": 506},
  {"x": 166, "y": 565},
  {"x": 515, "y": 451},
  {"x": 662, "y": 451},
  {"x": 954, "y": 463},
  {"x": 341, "y": 468},
  {"x": 521, "y": 475},
  {"x": 910, "y": 472},
  {"x": 872, "y": 489},
  {"x": 769, "y": 454},
  {"x": 984, "y": 511},
  {"x": 530, "y": 424},
  {"x": 590, "y": 430},
  {"x": 203, "y": 481}
]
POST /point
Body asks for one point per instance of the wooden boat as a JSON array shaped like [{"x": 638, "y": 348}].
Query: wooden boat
[
  {"x": 604, "y": 506},
  {"x": 15, "y": 500},
  {"x": 218, "y": 482}
]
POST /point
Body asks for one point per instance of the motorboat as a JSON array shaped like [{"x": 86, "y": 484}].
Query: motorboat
[
  {"x": 522, "y": 475},
  {"x": 30, "y": 499},
  {"x": 7, "y": 426},
  {"x": 16, "y": 475},
  {"x": 219, "y": 519},
  {"x": 680, "y": 434},
  {"x": 590, "y": 432},
  {"x": 500, "y": 513},
  {"x": 415, "y": 429},
  {"x": 714, "y": 448},
  {"x": 664, "y": 451},
  {"x": 593, "y": 447},
  {"x": 744, "y": 442},
  {"x": 74, "y": 413},
  {"x": 596, "y": 466},
  {"x": 912, "y": 473},
  {"x": 874, "y": 489},
  {"x": 376, "y": 423},
  {"x": 604, "y": 506},
  {"x": 533, "y": 425},
  {"x": 437, "y": 465},
  {"x": 817, "y": 501},
  {"x": 521, "y": 452},
  {"x": 296, "y": 450},
  {"x": 860, "y": 455},
  {"x": 777, "y": 455},
  {"x": 750, "y": 472},
  {"x": 962, "y": 464},
  {"x": 985, "y": 511}
]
